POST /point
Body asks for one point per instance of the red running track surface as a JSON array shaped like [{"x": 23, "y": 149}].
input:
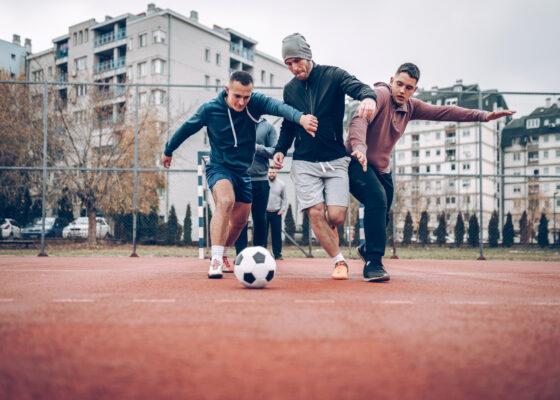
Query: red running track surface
[{"x": 157, "y": 328}]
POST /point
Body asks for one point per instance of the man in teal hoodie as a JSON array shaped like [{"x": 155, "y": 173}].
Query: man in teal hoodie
[{"x": 230, "y": 119}]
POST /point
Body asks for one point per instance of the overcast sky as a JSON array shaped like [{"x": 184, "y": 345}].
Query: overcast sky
[{"x": 511, "y": 45}]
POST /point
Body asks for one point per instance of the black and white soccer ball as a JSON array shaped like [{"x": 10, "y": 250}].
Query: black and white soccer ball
[{"x": 254, "y": 267}]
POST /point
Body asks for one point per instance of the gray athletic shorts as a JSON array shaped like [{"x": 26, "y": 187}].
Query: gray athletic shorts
[{"x": 318, "y": 182}]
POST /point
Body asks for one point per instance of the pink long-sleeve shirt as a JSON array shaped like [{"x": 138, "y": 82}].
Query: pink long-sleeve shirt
[{"x": 377, "y": 138}]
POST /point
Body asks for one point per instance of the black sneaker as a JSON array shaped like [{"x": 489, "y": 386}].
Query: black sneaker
[
  {"x": 375, "y": 273},
  {"x": 361, "y": 249}
]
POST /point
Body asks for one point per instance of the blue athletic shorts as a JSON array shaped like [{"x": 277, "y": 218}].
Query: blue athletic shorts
[{"x": 241, "y": 182}]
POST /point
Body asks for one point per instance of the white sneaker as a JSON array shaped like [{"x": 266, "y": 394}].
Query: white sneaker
[{"x": 215, "y": 271}]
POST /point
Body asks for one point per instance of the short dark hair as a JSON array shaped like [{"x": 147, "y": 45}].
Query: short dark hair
[
  {"x": 242, "y": 77},
  {"x": 411, "y": 69}
]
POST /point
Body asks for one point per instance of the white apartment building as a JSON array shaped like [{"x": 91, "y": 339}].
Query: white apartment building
[
  {"x": 531, "y": 149},
  {"x": 445, "y": 153},
  {"x": 12, "y": 57},
  {"x": 161, "y": 47}
]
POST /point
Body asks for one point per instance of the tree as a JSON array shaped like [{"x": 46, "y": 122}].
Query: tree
[
  {"x": 493, "y": 230},
  {"x": 356, "y": 239},
  {"x": 543, "y": 231},
  {"x": 423, "y": 233},
  {"x": 441, "y": 230},
  {"x": 173, "y": 234},
  {"x": 474, "y": 231},
  {"x": 289, "y": 224},
  {"x": 459, "y": 230},
  {"x": 305, "y": 239},
  {"x": 524, "y": 232},
  {"x": 94, "y": 131},
  {"x": 508, "y": 232},
  {"x": 408, "y": 229},
  {"x": 187, "y": 226}
]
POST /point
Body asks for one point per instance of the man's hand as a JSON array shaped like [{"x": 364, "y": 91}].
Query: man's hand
[
  {"x": 499, "y": 114},
  {"x": 361, "y": 157},
  {"x": 166, "y": 161},
  {"x": 278, "y": 159},
  {"x": 309, "y": 123},
  {"x": 367, "y": 108},
  {"x": 280, "y": 212}
]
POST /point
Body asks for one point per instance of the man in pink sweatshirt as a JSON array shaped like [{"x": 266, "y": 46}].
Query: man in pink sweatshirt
[{"x": 370, "y": 143}]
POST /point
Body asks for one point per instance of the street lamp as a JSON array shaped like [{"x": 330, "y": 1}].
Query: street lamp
[{"x": 554, "y": 234}]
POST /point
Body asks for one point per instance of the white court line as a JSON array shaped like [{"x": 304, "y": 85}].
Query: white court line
[
  {"x": 154, "y": 300},
  {"x": 469, "y": 302},
  {"x": 234, "y": 301},
  {"x": 6, "y": 300},
  {"x": 73, "y": 301},
  {"x": 314, "y": 301},
  {"x": 397, "y": 302}
]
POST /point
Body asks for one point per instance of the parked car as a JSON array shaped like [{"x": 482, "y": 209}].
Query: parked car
[
  {"x": 79, "y": 228},
  {"x": 53, "y": 228},
  {"x": 10, "y": 228}
]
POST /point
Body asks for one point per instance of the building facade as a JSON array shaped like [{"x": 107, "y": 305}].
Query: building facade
[
  {"x": 162, "y": 50},
  {"x": 437, "y": 162},
  {"x": 13, "y": 57},
  {"x": 531, "y": 155}
]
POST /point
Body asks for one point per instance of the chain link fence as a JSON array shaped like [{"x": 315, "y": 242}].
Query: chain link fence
[{"x": 80, "y": 167}]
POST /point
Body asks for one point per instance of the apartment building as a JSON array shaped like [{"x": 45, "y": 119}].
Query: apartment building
[
  {"x": 445, "y": 154},
  {"x": 531, "y": 155},
  {"x": 12, "y": 57},
  {"x": 157, "y": 48}
]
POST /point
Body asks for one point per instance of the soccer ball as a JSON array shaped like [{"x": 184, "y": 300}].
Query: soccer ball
[{"x": 254, "y": 267}]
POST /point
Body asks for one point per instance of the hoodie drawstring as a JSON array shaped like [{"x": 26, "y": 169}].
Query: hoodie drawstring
[
  {"x": 233, "y": 127},
  {"x": 323, "y": 167}
]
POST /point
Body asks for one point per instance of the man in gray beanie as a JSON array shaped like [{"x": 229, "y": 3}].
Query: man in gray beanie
[{"x": 320, "y": 164}]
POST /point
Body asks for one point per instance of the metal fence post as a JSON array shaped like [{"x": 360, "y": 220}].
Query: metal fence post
[
  {"x": 481, "y": 227},
  {"x": 135, "y": 211},
  {"x": 44, "y": 191},
  {"x": 200, "y": 209}
]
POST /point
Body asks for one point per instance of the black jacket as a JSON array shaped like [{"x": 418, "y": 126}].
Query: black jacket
[{"x": 321, "y": 94}]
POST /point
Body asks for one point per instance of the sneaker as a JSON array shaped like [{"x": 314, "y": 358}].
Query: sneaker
[
  {"x": 215, "y": 271},
  {"x": 226, "y": 267},
  {"x": 340, "y": 271},
  {"x": 361, "y": 249},
  {"x": 375, "y": 273}
]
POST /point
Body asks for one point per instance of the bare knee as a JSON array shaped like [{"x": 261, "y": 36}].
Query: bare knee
[
  {"x": 337, "y": 219},
  {"x": 316, "y": 213},
  {"x": 225, "y": 203}
]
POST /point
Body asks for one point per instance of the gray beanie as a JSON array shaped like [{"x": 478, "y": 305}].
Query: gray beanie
[{"x": 294, "y": 45}]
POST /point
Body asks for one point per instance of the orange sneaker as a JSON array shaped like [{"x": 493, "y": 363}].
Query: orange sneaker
[
  {"x": 226, "y": 268},
  {"x": 340, "y": 271}
]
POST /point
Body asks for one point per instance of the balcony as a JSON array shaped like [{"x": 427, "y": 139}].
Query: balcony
[
  {"x": 109, "y": 37},
  {"x": 244, "y": 52},
  {"x": 532, "y": 161},
  {"x": 61, "y": 77},
  {"x": 450, "y": 141},
  {"x": 61, "y": 53},
  {"x": 449, "y": 158},
  {"x": 109, "y": 65},
  {"x": 415, "y": 160},
  {"x": 415, "y": 144}
]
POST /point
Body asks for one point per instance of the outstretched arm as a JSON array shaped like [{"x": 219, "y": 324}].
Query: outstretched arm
[{"x": 499, "y": 114}]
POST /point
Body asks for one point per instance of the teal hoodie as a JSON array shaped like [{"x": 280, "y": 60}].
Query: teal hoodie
[{"x": 232, "y": 148}]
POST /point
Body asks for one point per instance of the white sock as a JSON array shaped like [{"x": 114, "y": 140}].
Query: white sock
[
  {"x": 337, "y": 258},
  {"x": 217, "y": 252}
]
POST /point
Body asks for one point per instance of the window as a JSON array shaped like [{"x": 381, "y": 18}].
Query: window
[
  {"x": 451, "y": 101},
  {"x": 400, "y": 170},
  {"x": 86, "y": 35},
  {"x": 545, "y": 153},
  {"x": 533, "y": 123},
  {"x": 427, "y": 169},
  {"x": 49, "y": 72},
  {"x": 546, "y": 122},
  {"x": 129, "y": 72},
  {"x": 466, "y": 183},
  {"x": 159, "y": 36},
  {"x": 81, "y": 37},
  {"x": 142, "y": 40},
  {"x": 452, "y": 183},
  {"x": 428, "y": 153},
  {"x": 438, "y": 168},
  {"x": 13, "y": 56},
  {"x": 466, "y": 166},
  {"x": 263, "y": 76},
  {"x": 75, "y": 39},
  {"x": 80, "y": 63},
  {"x": 546, "y": 170},
  {"x": 158, "y": 97},
  {"x": 438, "y": 153},
  {"x": 558, "y": 134},
  {"x": 557, "y": 170},
  {"x": 545, "y": 138},
  {"x": 142, "y": 69},
  {"x": 78, "y": 116},
  {"x": 218, "y": 85},
  {"x": 415, "y": 170},
  {"x": 557, "y": 153},
  {"x": 130, "y": 44},
  {"x": 466, "y": 133},
  {"x": 438, "y": 135},
  {"x": 516, "y": 173},
  {"x": 207, "y": 80},
  {"x": 271, "y": 79},
  {"x": 218, "y": 59},
  {"x": 452, "y": 167},
  {"x": 81, "y": 90},
  {"x": 142, "y": 99},
  {"x": 428, "y": 185},
  {"x": 207, "y": 54},
  {"x": 158, "y": 66},
  {"x": 516, "y": 156},
  {"x": 517, "y": 189},
  {"x": 38, "y": 76},
  {"x": 438, "y": 185}
]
